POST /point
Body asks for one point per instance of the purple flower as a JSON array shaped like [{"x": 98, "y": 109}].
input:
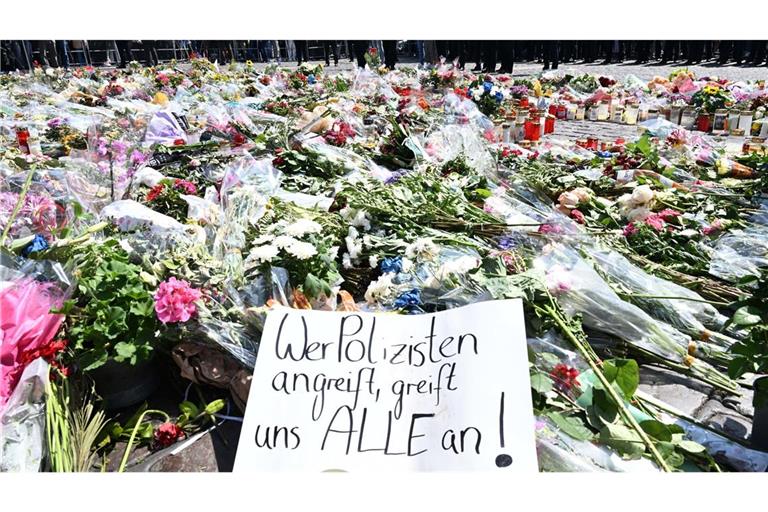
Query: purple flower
[
  {"x": 119, "y": 147},
  {"x": 137, "y": 157},
  {"x": 55, "y": 122}
]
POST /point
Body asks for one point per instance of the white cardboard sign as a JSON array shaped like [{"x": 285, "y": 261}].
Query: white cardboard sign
[{"x": 358, "y": 391}]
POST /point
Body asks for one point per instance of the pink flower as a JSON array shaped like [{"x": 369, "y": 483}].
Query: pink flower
[
  {"x": 185, "y": 186},
  {"x": 668, "y": 213},
  {"x": 716, "y": 226},
  {"x": 175, "y": 301},
  {"x": 630, "y": 229},
  {"x": 577, "y": 216},
  {"x": 550, "y": 228},
  {"x": 655, "y": 221}
]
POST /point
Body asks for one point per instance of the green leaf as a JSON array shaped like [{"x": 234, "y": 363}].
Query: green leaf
[
  {"x": 124, "y": 351},
  {"x": 691, "y": 446},
  {"x": 622, "y": 439},
  {"x": 189, "y": 409},
  {"x": 571, "y": 425},
  {"x": 541, "y": 383},
  {"x": 746, "y": 315},
  {"x": 657, "y": 430},
  {"x": 625, "y": 373}
]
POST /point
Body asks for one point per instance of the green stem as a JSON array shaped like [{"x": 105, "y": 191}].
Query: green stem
[
  {"x": 19, "y": 203},
  {"x": 588, "y": 354},
  {"x": 135, "y": 430},
  {"x": 640, "y": 296}
]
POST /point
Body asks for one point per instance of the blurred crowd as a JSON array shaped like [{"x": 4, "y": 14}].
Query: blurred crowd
[{"x": 485, "y": 55}]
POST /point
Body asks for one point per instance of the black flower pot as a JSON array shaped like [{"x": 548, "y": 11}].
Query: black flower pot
[
  {"x": 122, "y": 385},
  {"x": 759, "y": 436}
]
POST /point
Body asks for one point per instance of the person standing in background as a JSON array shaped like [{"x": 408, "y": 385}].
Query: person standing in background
[
  {"x": 390, "y": 53},
  {"x": 507, "y": 52},
  {"x": 358, "y": 49},
  {"x": 550, "y": 54},
  {"x": 301, "y": 51},
  {"x": 490, "y": 48},
  {"x": 46, "y": 51},
  {"x": 329, "y": 46},
  {"x": 420, "y": 53},
  {"x": 125, "y": 49}
]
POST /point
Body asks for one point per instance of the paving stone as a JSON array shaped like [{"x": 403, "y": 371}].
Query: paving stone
[
  {"x": 682, "y": 393},
  {"x": 716, "y": 415}
]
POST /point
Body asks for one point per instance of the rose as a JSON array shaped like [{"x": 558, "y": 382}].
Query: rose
[
  {"x": 642, "y": 194},
  {"x": 167, "y": 434}
]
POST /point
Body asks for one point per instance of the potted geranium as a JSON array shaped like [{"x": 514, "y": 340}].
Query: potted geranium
[{"x": 111, "y": 323}]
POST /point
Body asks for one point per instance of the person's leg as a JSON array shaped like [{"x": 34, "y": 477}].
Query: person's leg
[
  {"x": 390, "y": 53},
  {"x": 489, "y": 56},
  {"x": 327, "y": 52},
  {"x": 507, "y": 56},
  {"x": 62, "y": 51}
]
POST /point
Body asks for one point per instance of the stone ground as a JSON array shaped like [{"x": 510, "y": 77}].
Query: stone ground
[
  {"x": 215, "y": 450},
  {"x": 618, "y": 71}
]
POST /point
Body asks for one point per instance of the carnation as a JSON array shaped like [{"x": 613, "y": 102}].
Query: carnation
[{"x": 175, "y": 301}]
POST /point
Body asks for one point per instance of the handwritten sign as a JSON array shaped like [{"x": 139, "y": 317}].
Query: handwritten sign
[{"x": 382, "y": 391}]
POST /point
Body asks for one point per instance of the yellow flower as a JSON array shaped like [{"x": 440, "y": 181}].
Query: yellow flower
[{"x": 160, "y": 99}]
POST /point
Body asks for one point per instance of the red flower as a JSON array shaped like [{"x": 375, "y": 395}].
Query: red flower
[
  {"x": 167, "y": 434},
  {"x": 577, "y": 216},
  {"x": 238, "y": 139},
  {"x": 630, "y": 229},
  {"x": 178, "y": 142},
  {"x": 373, "y": 51},
  {"x": 565, "y": 377},
  {"x": 155, "y": 192}
]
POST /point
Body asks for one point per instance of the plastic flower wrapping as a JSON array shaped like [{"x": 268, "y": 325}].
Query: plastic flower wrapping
[{"x": 155, "y": 215}]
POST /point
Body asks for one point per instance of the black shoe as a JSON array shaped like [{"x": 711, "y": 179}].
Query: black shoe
[{"x": 546, "y": 67}]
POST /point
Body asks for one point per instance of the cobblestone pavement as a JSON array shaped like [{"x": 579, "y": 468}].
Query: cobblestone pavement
[{"x": 618, "y": 71}]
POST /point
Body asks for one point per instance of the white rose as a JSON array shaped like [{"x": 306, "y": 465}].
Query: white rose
[{"x": 642, "y": 194}]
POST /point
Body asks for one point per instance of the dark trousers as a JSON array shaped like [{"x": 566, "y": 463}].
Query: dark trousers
[
  {"x": 507, "y": 53},
  {"x": 328, "y": 47},
  {"x": 301, "y": 51},
  {"x": 47, "y": 53},
  {"x": 390, "y": 53},
  {"x": 551, "y": 54},
  {"x": 671, "y": 51},
  {"x": 490, "y": 49},
  {"x": 758, "y": 52},
  {"x": 642, "y": 51},
  {"x": 150, "y": 53},
  {"x": 125, "y": 48},
  {"x": 358, "y": 49}
]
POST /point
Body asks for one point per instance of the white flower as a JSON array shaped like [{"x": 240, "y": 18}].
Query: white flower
[
  {"x": 346, "y": 261},
  {"x": 263, "y": 253},
  {"x": 361, "y": 220},
  {"x": 638, "y": 214},
  {"x": 263, "y": 239},
  {"x": 284, "y": 241},
  {"x": 373, "y": 261},
  {"x": 407, "y": 265},
  {"x": 423, "y": 248},
  {"x": 642, "y": 194},
  {"x": 353, "y": 243},
  {"x": 302, "y": 227},
  {"x": 334, "y": 252},
  {"x": 302, "y": 250},
  {"x": 458, "y": 266},
  {"x": 381, "y": 289}
]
